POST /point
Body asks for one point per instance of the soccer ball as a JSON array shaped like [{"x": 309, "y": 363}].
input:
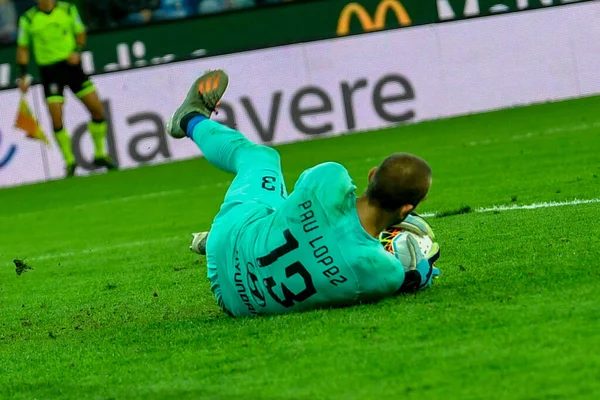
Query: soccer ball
[{"x": 394, "y": 240}]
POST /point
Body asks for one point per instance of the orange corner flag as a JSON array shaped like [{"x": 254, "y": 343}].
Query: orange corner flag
[{"x": 27, "y": 122}]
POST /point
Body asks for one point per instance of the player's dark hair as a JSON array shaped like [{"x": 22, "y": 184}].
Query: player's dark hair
[{"x": 401, "y": 179}]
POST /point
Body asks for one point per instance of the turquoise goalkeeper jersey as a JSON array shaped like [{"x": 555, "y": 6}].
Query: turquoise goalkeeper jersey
[{"x": 310, "y": 252}]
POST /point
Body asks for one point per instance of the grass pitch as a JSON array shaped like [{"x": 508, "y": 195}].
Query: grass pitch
[{"x": 116, "y": 307}]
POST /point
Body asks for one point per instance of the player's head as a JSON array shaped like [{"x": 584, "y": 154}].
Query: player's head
[
  {"x": 46, "y": 5},
  {"x": 399, "y": 184}
]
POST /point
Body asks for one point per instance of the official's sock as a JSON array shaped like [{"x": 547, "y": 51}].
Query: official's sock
[
  {"x": 98, "y": 131},
  {"x": 64, "y": 143}
]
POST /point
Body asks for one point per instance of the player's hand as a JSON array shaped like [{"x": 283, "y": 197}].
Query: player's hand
[
  {"x": 422, "y": 270},
  {"x": 416, "y": 224},
  {"x": 74, "y": 58},
  {"x": 24, "y": 83}
]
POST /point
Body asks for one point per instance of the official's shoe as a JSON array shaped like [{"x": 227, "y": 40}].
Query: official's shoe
[
  {"x": 106, "y": 162},
  {"x": 71, "y": 170},
  {"x": 203, "y": 97},
  {"x": 199, "y": 243}
]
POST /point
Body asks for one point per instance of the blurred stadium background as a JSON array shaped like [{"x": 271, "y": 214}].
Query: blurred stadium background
[{"x": 106, "y": 14}]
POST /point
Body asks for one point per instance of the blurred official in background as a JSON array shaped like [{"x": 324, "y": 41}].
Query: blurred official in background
[{"x": 57, "y": 34}]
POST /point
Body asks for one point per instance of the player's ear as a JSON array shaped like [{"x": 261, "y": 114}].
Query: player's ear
[
  {"x": 406, "y": 209},
  {"x": 372, "y": 173}
]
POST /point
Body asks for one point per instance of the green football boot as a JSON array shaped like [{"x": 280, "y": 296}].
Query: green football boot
[{"x": 203, "y": 97}]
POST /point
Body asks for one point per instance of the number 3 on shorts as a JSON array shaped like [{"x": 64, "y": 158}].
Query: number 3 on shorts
[{"x": 268, "y": 183}]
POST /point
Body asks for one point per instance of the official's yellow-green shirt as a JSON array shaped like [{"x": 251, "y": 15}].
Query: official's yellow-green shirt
[{"x": 51, "y": 34}]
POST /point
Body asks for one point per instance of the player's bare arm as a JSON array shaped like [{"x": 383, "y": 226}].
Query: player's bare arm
[{"x": 81, "y": 39}]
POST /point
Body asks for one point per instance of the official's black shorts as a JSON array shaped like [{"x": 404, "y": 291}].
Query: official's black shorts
[{"x": 57, "y": 76}]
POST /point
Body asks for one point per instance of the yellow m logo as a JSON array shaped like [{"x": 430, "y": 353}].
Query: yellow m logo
[{"x": 371, "y": 24}]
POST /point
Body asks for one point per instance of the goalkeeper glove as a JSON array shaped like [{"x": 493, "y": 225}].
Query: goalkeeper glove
[
  {"x": 422, "y": 271},
  {"x": 416, "y": 224}
]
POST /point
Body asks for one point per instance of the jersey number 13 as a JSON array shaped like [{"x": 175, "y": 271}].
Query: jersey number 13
[{"x": 296, "y": 268}]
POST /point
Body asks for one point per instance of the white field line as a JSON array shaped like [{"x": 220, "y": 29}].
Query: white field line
[
  {"x": 529, "y": 206},
  {"x": 117, "y": 200},
  {"x": 144, "y": 243},
  {"x": 529, "y": 135},
  {"x": 101, "y": 249},
  {"x": 129, "y": 198},
  {"x": 151, "y": 195}
]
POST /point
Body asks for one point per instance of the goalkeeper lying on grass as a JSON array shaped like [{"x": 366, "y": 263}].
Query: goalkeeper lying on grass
[{"x": 271, "y": 253}]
